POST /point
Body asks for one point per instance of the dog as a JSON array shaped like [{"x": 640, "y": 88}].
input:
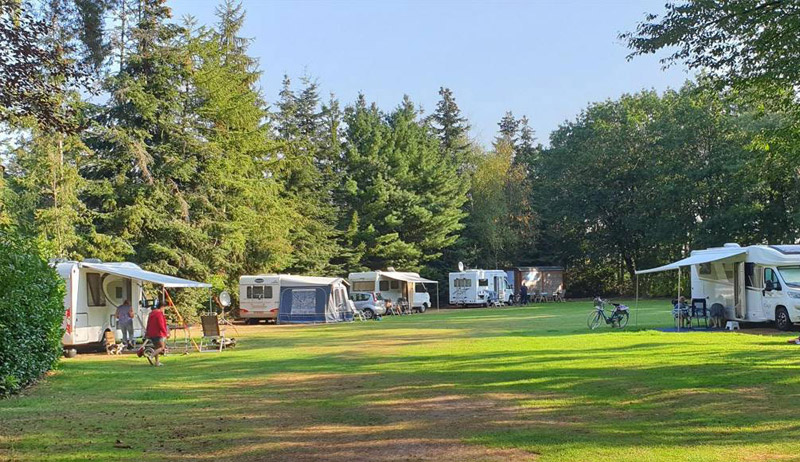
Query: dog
[{"x": 717, "y": 318}]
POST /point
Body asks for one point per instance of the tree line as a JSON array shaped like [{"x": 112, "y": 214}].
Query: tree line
[{"x": 132, "y": 136}]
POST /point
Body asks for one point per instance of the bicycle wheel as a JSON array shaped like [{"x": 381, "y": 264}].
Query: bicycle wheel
[
  {"x": 594, "y": 320},
  {"x": 622, "y": 320}
]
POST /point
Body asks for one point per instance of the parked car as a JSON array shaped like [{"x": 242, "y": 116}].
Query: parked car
[{"x": 369, "y": 303}]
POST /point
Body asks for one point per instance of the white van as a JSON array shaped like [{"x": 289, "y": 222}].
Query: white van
[
  {"x": 393, "y": 285},
  {"x": 95, "y": 290},
  {"x": 474, "y": 286}
]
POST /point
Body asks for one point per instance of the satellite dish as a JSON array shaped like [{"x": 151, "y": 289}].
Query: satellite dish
[
  {"x": 461, "y": 266},
  {"x": 225, "y": 298}
]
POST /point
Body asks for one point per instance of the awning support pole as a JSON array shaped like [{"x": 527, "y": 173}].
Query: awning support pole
[
  {"x": 680, "y": 312},
  {"x": 180, "y": 318},
  {"x": 637, "y": 301},
  {"x": 437, "y": 295}
]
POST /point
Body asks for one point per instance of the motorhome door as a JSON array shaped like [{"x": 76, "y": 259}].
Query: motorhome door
[
  {"x": 770, "y": 297},
  {"x": 754, "y": 282}
]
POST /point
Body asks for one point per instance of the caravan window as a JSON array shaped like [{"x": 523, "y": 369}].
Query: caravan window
[
  {"x": 94, "y": 290},
  {"x": 483, "y": 282},
  {"x": 395, "y": 285},
  {"x": 462, "y": 282},
  {"x": 363, "y": 286},
  {"x": 420, "y": 289},
  {"x": 384, "y": 285}
]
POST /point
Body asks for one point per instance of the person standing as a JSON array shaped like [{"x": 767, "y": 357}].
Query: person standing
[
  {"x": 156, "y": 332},
  {"x": 125, "y": 323},
  {"x": 523, "y": 294}
]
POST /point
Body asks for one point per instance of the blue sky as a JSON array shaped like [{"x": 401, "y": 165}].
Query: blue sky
[{"x": 543, "y": 59}]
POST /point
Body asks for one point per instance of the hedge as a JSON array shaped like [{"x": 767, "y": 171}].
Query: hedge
[{"x": 31, "y": 314}]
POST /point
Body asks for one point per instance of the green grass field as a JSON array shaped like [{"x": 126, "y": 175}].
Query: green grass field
[{"x": 527, "y": 383}]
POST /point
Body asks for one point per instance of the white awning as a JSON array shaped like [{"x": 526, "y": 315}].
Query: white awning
[
  {"x": 407, "y": 277},
  {"x": 704, "y": 256},
  {"x": 133, "y": 271}
]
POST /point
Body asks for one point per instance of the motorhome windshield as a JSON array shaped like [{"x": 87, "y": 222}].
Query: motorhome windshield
[{"x": 790, "y": 275}]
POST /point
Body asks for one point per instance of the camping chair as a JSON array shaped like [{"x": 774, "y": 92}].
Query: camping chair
[
  {"x": 358, "y": 314},
  {"x": 404, "y": 306},
  {"x": 537, "y": 296},
  {"x": 112, "y": 347},
  {"x": 213, "y": 337},
  {"x": 699, "y": 310}
]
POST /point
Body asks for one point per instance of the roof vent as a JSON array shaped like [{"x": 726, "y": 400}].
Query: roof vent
[
  {"x": 391, "y": 268},
  {"x": 92, "y": 260},
  {"x": 731, "y": 244}
]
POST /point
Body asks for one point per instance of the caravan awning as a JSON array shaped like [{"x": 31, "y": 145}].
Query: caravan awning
[
  {"x": 706, "y": 256},
  {"x": 133, "y": 271},
  {"x": 407, "y": 277}
]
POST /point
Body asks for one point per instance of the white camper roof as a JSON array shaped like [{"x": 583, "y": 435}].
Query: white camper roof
[
  {"x": 396, "y": 275},
  {"x": 291, "y": 280},
  {"x": 133, "y": 271}
]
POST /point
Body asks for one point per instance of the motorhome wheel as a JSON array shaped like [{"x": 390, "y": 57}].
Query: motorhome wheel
[
  {"x": 424, "y": 308},
  {"x": 782, "y": 320},
  {"x": 70, "y": 352}
]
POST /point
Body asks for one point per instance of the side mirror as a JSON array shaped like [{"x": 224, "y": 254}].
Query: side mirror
[{"x": 769, "y": 286}]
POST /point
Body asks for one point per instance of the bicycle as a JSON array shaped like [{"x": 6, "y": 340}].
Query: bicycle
[{"x": 618, "y": 318}]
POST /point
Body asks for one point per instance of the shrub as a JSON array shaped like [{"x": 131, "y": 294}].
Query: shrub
[{"x": 31, "y": 314}]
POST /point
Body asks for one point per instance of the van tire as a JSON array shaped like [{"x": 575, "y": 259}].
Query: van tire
[
  {"x": 782, "y": 319},
  {"x": 251, "y": 321},
  {"x": 368, "y": 313},
  {"x": 70, "y": 353}
]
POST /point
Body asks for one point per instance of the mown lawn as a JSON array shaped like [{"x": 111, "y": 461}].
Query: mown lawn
[{"x": 526, "y": 383}]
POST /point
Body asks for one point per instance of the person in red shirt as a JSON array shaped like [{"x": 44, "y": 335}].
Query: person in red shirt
[{"x": 156, "y": 332}]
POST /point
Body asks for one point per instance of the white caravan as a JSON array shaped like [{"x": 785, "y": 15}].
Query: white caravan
[
  {"x": 476, "y": 287},
  {"x": 758, "y": 283},
  {"x": 96, "y": 289},
  {"x": 260, "y": 298},
  {"x": 393, "y": 285}
]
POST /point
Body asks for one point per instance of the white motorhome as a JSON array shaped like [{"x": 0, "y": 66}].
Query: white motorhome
[
  {"x": 758, "y": 283},
  {"x": 284, "y": 298},
  {"x": 96, "y": 289},
  {"x": 480, "y": 287},
  {"x": 393, "y": 285}
]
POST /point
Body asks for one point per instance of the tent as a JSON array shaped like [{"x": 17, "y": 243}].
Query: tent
[
  {"x": 309, "y": 299},
  {"x": 727, "y": 253}
]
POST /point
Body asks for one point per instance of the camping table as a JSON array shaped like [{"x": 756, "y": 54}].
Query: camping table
[{"x": 173, "y": 333}]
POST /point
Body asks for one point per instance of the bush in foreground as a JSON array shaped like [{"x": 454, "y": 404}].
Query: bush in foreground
[{"x": 31, "y": 314}]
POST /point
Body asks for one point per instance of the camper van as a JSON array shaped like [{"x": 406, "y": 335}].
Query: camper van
[
  {"x": 393, "y": 285},
  {"x": 287, "y": 299},
  {"x": 95, "y": 290},
  {"x": 480, "y": 287},
  {"x": 758, "y": 283}
]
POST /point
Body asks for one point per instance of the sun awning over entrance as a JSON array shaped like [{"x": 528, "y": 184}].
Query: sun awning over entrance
[
  {"x": 133, "y": 271},
  {"x": 407, "y": 277},
  {"x": 706, "y": 256}
]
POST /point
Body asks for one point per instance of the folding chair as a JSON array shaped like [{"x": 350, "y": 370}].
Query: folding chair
[
  {"x": 699, "y": 310},
  {"x": 213, "y": 337}
]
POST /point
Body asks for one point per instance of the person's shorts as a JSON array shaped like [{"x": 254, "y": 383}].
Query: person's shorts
[{"x": 156, "y": 340}]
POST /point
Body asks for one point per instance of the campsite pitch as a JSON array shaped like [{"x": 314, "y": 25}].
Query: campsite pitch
[{"x": 512, "y": 384}]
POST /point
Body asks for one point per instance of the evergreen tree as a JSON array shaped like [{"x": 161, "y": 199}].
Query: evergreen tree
[
  {"x": 405, "y": 193},
  {"x": 509, "y": 127},
  {"x": 451, "y": 127}
]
